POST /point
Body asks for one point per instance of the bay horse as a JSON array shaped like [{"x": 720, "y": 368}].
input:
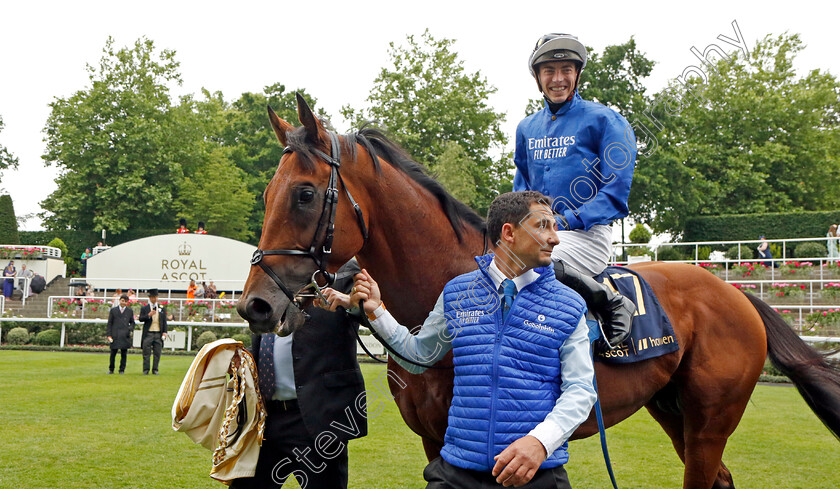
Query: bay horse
[{"x": 413, "y": 237}]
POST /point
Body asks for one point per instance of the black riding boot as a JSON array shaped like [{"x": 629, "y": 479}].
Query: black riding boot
[{"x": 613, "y": 310}]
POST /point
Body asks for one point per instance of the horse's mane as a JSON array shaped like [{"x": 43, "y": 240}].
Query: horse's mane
[
  {"x": 380, "y": 146},
  {"x": 372, "y": 138}
]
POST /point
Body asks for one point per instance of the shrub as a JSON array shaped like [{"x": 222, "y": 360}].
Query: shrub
[
  {"x": 244, "y": 338},
  {"x": 666, "y": 253},
  {"x": 732, "y": 253},
  {"x": 811, "y": 250},
  {"x": 58, "y": 243},
  {"x": 8, "y": 223},
  {"x": 639, "y": 251},
  {"x": 17, "y": 336},
  {"x": 703, "y": 252},
  {"x": 48, "y": 337},
  {"x": 205, "y": 338},
  {"x": 639, "y": 234},
  {"x": 86, "y": 334}
]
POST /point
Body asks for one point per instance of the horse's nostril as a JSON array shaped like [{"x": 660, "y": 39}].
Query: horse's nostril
[{"x": 259, "y": 310}]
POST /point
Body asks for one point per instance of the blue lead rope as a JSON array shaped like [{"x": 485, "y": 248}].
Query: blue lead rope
[{"x": 594, "y": 334}]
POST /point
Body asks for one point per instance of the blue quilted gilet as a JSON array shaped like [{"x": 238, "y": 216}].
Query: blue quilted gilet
[{"x": 507, "y": 375}]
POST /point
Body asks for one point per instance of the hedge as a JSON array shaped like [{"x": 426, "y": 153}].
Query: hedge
[
  {"x": 774, "y": 225},
  {"x": 8, "y": 223},
  {"x": 48, "y": 337}
]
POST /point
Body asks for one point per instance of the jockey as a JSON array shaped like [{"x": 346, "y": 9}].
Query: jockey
[{"x": 582, "y": 155}]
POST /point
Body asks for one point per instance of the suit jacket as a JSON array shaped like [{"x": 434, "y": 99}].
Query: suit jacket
[
  {"x": 328, "y": 379},
  {"x": 120, "y": 327},
  {"x": 145, "y": 317}
]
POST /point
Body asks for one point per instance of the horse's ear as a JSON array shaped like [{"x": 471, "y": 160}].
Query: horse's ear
[
  {"x": 307, "y": 118},
  {"x": 280, "y": 126}
]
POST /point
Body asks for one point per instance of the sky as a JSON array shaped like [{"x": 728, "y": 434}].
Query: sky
[{"x": 335, "y": 49}]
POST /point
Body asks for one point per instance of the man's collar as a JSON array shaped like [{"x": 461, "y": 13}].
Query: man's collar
[{"x": 521, "y": 280}]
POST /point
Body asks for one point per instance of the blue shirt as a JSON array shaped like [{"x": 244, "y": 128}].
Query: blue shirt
[{"x": 582, "y": 156}]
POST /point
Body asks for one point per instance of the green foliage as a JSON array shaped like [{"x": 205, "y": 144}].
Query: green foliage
[
  {"x": 118, "y": 145},
  {"x": 58, "y": 243},
  {"x": 48, "y": 337},
  {"x": 205, "y": 338},
  {"x": 732, "y": 143},
  {"x": 218, "y": 196},
  {"x": 86, "y": 334},
  {"x": 810, "y": 250},
  {"x": 735, "y": 227},
  {"x": 7, "y": 160},
  {"x": 670, "y": 253},
  {"x": 738, "y": 253},
  {"x": 426, "y": 99},
  {"x": 244, "y": 338},
  {"x": 639, "y": 251},
  {"x": 703, "y": 252},
  {"x": 17, "y": 336},
  {"x": 639, "y": 234},
  {"x": 8, "y": 223}
]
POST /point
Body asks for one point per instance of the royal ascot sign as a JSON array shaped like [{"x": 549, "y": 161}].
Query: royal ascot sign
[{"x": 170, "y": 261}]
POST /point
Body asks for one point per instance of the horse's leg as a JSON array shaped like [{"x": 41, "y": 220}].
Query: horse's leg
[
  {"x": 432, "y": 448},
  {"x": 673, "y": 424}
]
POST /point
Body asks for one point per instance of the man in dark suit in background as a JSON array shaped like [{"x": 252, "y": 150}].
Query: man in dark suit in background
[
  {"x": 119, "y": 331},
  {"x": 313, "y": 388},
  {"x": 153, "y": 317}
]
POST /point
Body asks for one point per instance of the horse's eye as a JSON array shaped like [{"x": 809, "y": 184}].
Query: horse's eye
[{"x": 306, "y": 196}]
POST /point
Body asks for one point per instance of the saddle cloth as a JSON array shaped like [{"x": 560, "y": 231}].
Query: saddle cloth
[{"x": 652, "y": 334}]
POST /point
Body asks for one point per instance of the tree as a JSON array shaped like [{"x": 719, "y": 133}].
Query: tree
[
  {"x": 117, "y": 144},
  {"x": 218, "y": 196},
  {"x": 8, "y": 224},
  {"x": 7, "y": 160},
  {"x": 426, "y": 99},
  {"x": 746, "y": 137}
]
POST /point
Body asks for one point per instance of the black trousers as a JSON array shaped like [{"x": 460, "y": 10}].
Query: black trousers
[
  {"x": 440, "y": 474},
  {"x": 289, "y": 450},
  {"x": 123, "y": 353},
  {"x": 152, "y": 342}
]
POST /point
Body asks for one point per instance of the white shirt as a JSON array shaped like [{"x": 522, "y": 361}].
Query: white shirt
[{"x": 432, "y": 343}]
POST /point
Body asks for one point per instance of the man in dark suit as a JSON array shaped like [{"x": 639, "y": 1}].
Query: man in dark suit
[
  {"x": 153, "y": 317},
  {"x": 314, "y": 390},
  {"x": 120, "y": 329}
]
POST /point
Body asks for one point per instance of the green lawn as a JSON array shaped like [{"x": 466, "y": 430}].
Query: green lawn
[{"x": 67, "y": 424}]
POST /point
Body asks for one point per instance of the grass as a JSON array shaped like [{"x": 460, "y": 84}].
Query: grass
[{"x": 64, "y": 423}]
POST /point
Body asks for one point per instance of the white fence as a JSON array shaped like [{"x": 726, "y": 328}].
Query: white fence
[{"x": 24, "y": 252}]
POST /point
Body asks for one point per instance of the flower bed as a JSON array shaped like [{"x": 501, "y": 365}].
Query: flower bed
[
  {"x": 784, "y": 291},
  {"x": 830, "y": 292},
  {"x": 714, "y": 268},
  {"x": 21, "y": 252},
  {"x": 823, "y": 322},
  {"x": 748, "y": 288},
  {"x": 754, "y": 271},
  {"x": 788, "y": 315},
  {"x": 796, "y": 269}
]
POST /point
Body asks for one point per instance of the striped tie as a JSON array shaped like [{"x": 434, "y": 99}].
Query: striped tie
[{"x": 265, "y": 366}]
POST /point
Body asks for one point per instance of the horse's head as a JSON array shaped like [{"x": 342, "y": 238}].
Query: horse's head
[{"x": 310, "y": 227}]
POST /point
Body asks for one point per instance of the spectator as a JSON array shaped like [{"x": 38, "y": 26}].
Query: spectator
[
  {"x": 132, "y": 295},
  {"x": 765, "y": 253},
  {"x": 153, "y": 317},
  {"x": 182, "y": 226},
  {"x": 87, "y": 254},
  {"x": 210, "y": 292},
  {"x": 191, "y": 292},
  {"x": 119, "y": 331},
  {"x": 831, "y": 243},
  {"x": 200, "y": 291},
  {"x": 23, "y": 283},
  {"x": 9, "y": 281},
  {"x": 115, "y": 300}
]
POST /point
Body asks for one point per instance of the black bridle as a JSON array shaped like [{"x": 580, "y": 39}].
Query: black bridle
[{"x": 318, "y": 253}]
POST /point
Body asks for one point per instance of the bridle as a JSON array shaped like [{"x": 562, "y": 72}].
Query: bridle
[{"x": 318, "y": 253}]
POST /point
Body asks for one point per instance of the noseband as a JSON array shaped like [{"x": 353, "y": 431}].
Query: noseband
[{"x": 326, "y": 222}]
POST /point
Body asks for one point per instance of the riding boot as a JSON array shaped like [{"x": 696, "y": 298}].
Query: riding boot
[{"x": 613, "y": 310}]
